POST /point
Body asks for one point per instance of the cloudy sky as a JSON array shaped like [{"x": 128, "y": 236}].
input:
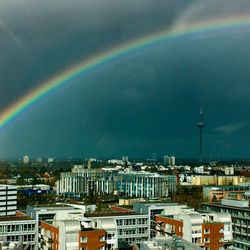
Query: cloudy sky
[{"x": 145, "y": 102}]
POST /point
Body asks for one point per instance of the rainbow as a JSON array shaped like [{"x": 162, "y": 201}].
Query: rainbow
[{"x": 107, "y": 56}]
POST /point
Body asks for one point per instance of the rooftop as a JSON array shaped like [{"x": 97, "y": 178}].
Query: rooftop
[
  {"x": 219, "y": 205},
  {"x": 111, "y": 213},
  {"x": 14, "y": 218}
]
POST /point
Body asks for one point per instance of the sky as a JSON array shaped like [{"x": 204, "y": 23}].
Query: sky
[{"x": 144, "y": 102}]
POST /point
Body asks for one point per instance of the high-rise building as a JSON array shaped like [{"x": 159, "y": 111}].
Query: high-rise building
[
  {"x": 169, "y": 160},
  {"x": 26, "y": 159},
  {"x": 172, "y": 161},
  {"x": 166, "y": 160}
]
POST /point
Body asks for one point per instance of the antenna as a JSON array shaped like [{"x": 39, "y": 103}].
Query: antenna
[{"x": 200, "y": 124}]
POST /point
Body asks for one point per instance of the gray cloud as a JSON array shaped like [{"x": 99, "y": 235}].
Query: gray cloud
[{"x": 229, "y": 129}]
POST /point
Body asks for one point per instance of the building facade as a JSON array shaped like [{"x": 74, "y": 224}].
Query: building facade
[
  {"x": 17, "y": 229},
  {"x": 240, "y": 213},
  {"x": 8, "y": 200},
  {"x": 210, "y": 231},
  {"x": 81, "y": 181},
  {"x": 217, "y": 193}
]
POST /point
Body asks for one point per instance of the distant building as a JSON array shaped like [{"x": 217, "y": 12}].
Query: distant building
[
  {"x": 199, "y": 170},
  {"x": 218, "y": 179},
  {"x": 26, "y": 159},
  {"x": 145, "y": 184},
  {"x": 169, "y": 160},
  {"x": 229, "y": 170},
  {"x": 50, "y": 160},
  {"x": 166, "y": 160},
  {"x": 125, "y": 158},
  {"x": 89, "y": 163},
  {"x": 81, "y": 181},
  {"x": 172, "y": 161}
]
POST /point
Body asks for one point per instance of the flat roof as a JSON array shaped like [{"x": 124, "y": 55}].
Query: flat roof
[
  {"x": 102, "y": 214},
  {"x": 214, "y": 204},
  {"x": 15, "y": 218}
]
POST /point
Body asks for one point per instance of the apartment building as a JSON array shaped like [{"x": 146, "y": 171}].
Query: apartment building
[
  {"x": 211, "y": 231},
  {"x": 218, "y": 180},
  {"x": 17, "y": 229},
  {"x": 8, "y": 200},
  {"x": 164, "y": 208},
  {"x": 80, "y": 181},
  {"x": 121, "y": 228},
  {"x": 145, "y": 184},
  {"x": 217, "y": 193},
  {"x": 56, "y": 212},
  {"x": 240, "y": 213},
  {"x": 70, "y": 235}
]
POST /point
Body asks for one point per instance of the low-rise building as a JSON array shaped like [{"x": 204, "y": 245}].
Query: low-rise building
[{"x": 218, "y": 180}]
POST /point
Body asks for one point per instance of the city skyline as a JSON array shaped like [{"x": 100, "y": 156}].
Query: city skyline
[{"x": 143, "y": 100}]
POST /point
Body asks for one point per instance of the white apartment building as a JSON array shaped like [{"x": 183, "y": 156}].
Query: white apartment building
[
  {"x": 15, "y": 229},
  {"x": 81, "y": 181},
  {"x": 129, "y": 228},
  {"x": 8, "y": 200},
  {"x": 60, "y": 212}
]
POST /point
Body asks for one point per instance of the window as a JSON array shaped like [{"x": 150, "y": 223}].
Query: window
[
  {"x": 119, "y": 223},
  {"x": 207, "y": 240},
  {"x": 83, "y": 239},
  {"x": 110, "y": 236},
  {"x": 101, "y": 238}
]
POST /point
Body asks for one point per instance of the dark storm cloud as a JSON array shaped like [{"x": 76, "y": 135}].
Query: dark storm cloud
[
  {"x": 39, "y": 38},
  {"x": 145, "y": 102}
]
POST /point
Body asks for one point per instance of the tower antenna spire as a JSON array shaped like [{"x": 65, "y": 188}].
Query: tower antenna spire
[{"x": 200, "y": 124}]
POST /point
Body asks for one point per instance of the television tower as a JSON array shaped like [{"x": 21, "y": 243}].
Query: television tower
[{"x": 200, "y": 124}]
